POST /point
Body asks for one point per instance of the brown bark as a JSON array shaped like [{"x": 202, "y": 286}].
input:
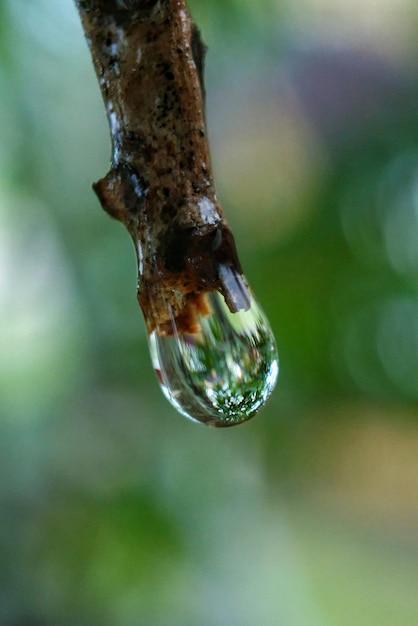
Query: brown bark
[{"x": 148, "y": 58}]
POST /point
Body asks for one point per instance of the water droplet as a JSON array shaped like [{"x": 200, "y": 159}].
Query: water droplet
[{"x": 224, "y": 373}]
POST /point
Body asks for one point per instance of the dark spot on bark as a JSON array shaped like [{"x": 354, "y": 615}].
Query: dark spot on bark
[
  {"x": 176, "y": 251},
  {"x": 135, "y": 5},
  {"x": 168, "y": 212},
  {"x": 133, "y": 137},
  {"x": 199, "y": 52},
  {"x": 200, "y": 253}
]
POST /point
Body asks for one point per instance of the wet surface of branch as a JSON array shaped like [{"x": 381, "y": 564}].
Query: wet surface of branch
[{"x": 148, "y": 58}]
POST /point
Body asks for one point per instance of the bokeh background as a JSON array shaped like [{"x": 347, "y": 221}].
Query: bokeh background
[{"x": 114, "y": 510}]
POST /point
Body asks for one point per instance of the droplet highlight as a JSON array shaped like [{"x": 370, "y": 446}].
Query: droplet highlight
[{"x": 224, "y": 373}]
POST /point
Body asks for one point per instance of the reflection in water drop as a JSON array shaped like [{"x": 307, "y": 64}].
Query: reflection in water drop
[{"x": 223, "y": 374}]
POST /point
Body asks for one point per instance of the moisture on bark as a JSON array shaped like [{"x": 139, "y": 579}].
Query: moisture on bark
[{"x": 148, "y": 58}]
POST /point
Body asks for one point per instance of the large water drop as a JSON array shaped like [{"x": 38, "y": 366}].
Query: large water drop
[{"x": 224, "y": 373}]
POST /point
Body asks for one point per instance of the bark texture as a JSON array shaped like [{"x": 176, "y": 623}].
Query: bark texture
[{"x": 148, "y": 58}]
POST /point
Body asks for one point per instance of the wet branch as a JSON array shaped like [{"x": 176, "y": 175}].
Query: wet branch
[{"x": 149, "y": 58}]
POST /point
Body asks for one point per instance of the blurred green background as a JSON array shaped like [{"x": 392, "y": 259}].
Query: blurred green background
[{"x": 114, "y": 510}]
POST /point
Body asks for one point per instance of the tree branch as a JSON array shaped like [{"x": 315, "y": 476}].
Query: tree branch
[{"x": 148, "y": 58}]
